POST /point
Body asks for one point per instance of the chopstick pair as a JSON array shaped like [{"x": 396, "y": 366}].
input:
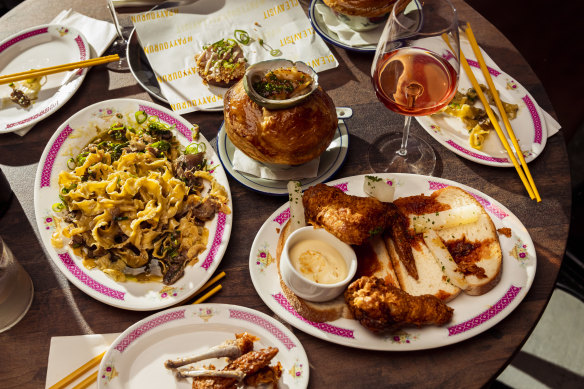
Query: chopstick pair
[
  {"x": 35, "y": 73},
  {"x": 95, "y": 361},
  {"x": 523, "y": 170}
]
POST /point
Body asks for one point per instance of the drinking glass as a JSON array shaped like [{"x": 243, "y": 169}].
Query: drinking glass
[
  {"x": 16, "y": 289},
  {"x": 414, "y": 73}
]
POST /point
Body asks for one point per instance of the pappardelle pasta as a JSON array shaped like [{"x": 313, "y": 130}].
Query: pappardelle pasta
[{"x": 134, "y": 205}]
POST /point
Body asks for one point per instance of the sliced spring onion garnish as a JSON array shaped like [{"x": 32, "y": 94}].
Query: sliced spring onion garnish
[
  {"x": 141, "y": 117},
  {"x": 71, "y": 164},
  {"x": 275, "y": 52},
  {"x": 58, "y": 207},
  {"x": 195, "y": 148},
  {"x": 242, "y": 36}
]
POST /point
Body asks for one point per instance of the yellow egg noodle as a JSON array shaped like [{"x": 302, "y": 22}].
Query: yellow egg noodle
[{"x": 135, "y": 206}]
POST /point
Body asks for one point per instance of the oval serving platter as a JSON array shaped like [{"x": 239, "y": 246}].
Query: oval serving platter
[
  {"x": 66, "y": 142},
  {"x": 472, "y": 314}
]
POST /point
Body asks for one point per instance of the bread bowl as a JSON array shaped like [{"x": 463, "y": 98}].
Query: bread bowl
[
  {"x": 291, "y": 135},
  {"x": 366, "y": 8}
]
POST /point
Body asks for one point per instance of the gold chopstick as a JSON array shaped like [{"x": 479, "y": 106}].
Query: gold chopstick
[
  {"x": 493, "y": 118},
  {"x": 90, "y": 379},
  {"x": 34, "y": 73},
  {"x": 211, "y": 282},
  {"x": 208, "y": 294},
  {"x": 75, "y": 374},
  {"x": 487, "y": 75}
]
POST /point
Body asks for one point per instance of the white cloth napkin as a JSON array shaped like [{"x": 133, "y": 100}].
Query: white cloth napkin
[
  {"x": 244, "y": 164},
  {"x": 344, "y": 33},
  {"x": 67, "y": 353},
  {"x": 98, "y": 33}
]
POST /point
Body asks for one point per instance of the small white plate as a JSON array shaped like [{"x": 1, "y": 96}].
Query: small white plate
[
  {"x": 330, "y": 161},
  {"x": 331, "y": 37},
  {"x": 136, "y": 358},
  {"x": 67, "y": 141},
  {"x": 529, "y": 125},
  {"x": 472, "y": 314},
  {"x": 35, "y": 48}
]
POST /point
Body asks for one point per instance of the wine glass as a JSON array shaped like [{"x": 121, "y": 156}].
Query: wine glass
[
  {"x": 414, "y": 73},
  {"x": 119, "y": 45}
]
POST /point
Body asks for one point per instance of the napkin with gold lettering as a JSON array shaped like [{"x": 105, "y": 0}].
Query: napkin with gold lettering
[{"x": 172, "y": 37}]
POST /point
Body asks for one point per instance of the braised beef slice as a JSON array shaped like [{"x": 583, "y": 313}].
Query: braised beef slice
[{"x": 174, "y": 269}]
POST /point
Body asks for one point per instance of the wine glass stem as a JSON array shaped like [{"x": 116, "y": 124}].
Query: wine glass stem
[
  {"x": 404, "y": 144},
  {"x": 112, "y": 9}
]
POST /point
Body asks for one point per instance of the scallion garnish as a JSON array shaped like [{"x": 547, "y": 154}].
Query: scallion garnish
[
  {"x": 242, "y": 36},
  {"x": 141, "y": 117}
]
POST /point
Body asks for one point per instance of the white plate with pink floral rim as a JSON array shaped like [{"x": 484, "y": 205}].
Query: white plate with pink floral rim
[
  {"x": 472, "y": 314},
  {"x": 529, "y": 125},
  {"x": 136, "y": 358},
  {"x": 35, "y": 48},
  {"x": 65, "y": 143}
]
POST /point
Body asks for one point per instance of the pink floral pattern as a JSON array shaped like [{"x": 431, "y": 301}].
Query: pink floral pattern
[
  {"x": 50, "y": 161},
  {"x": 488, "y": 314},
  {"x": 260, "y": 321},
  {"x": 90, "y": 282},
  {"x": 329, "y": 328},
  {"x": 216, "y": 241},
  {"x": 475, "y": 64},
  {"x": 18, "y": 38},
  {"x": 147, "y": 326},
  {"x": 33, "y": 117},
  {"x": 476, "y": 155},
  {"x": 536, "y": 120},
  {"x": 282, "y": 218}
]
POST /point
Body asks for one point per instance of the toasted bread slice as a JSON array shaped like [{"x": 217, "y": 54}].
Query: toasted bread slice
[
  {"x": 474, "y": 246},
  {"x": 484, "y": 249},
  {"x": 373, "y": 260},
  {"x": 430, "y": 280}
]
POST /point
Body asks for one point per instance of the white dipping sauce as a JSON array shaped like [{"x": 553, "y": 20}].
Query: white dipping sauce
[{"x": 318, "y": 261}]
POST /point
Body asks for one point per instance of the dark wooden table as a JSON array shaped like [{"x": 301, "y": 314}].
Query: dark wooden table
[{"x": 60, "y": 309}]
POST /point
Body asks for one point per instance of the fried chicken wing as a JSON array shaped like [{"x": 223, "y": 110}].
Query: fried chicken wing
[
  {"x": 352, "y": 219},
  {"x": 380, "y": 307},
  {"x": 231, "y": 348},
  {"x": 267, "y": 377},
  {"x": 248, "y": 364}
]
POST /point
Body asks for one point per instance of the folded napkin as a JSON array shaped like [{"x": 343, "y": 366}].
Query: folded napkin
[
  {"x": 98, "y": 33},
  {"x": 244, "y": 164},
  {"x": 67, "y": 353},
  {"x": 344, "y": 33}
]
